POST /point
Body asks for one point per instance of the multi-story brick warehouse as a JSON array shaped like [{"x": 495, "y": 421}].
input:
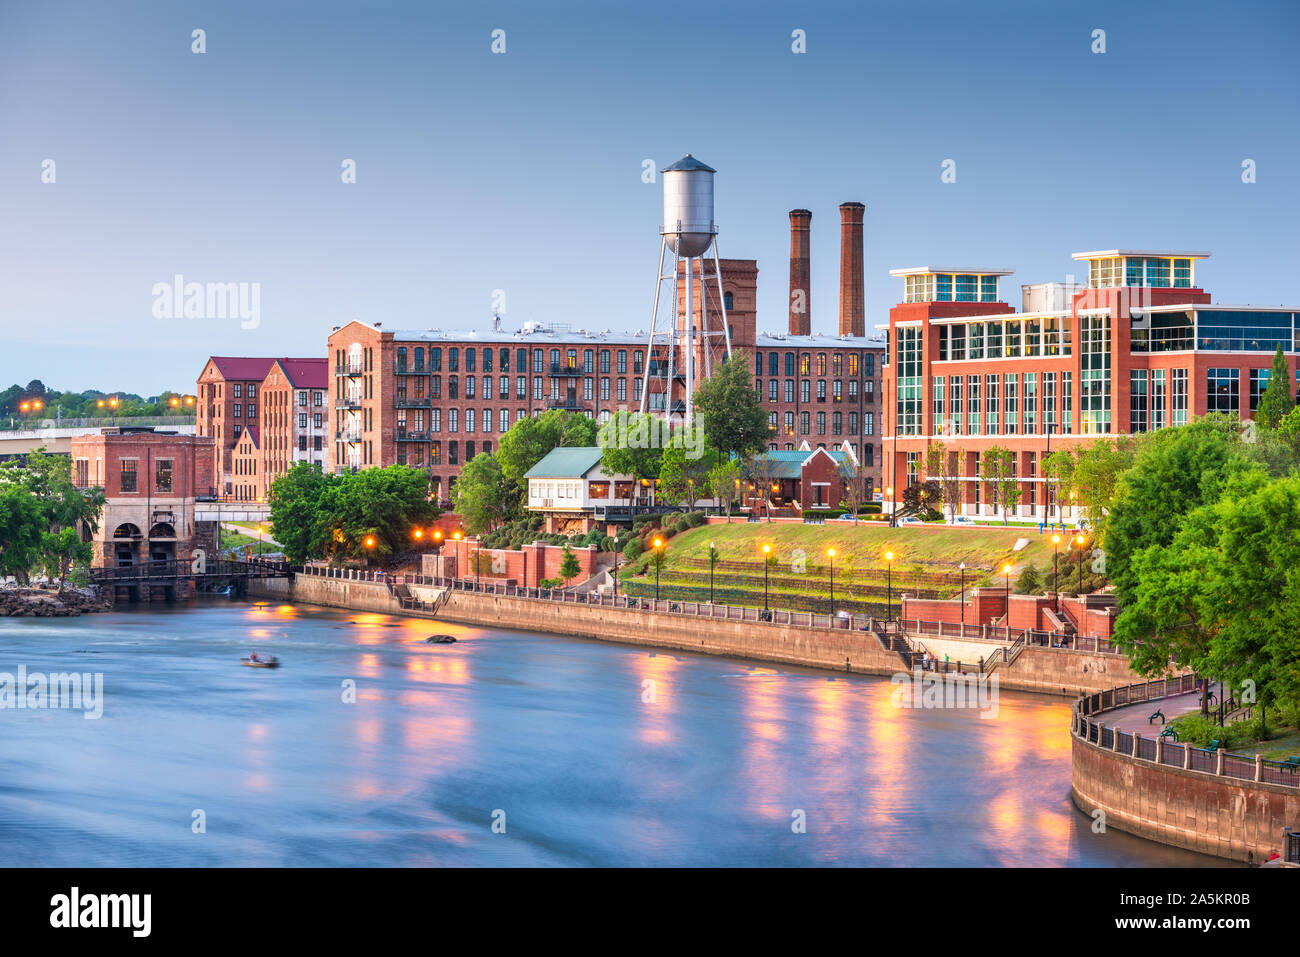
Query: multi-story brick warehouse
[
  {"x": 231, "y": 397},
  {"x": 434, "y": 399},
  {"x": 1139, "y": 348}
]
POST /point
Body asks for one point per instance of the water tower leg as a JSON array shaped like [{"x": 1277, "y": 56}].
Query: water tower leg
[
  {"x": 654, "y": 314},
  {"x": 722, "y": 297},
  {"x": 689, "y": 356}
]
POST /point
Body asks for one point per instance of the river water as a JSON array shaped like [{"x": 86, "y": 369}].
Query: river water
[{"x": 580, "y": 753}]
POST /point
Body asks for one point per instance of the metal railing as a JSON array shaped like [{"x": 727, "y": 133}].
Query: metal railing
[
  {"x": 1219, "y": 762},
  {"x": 173, "y": 569}
]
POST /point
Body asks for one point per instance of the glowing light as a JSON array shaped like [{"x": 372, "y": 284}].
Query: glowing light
[
  {"x": 1056, "y": 538},
  {"x": 889, "y": 556},
  {"x": 659, "y": 543},
  {"x": 830, "y": 552},
  {"x": 418, "y": 533},
  {"x": 370, "y": 542}
]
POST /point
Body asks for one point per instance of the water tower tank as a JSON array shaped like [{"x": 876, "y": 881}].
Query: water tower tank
[{"x": 688, "y": 206}]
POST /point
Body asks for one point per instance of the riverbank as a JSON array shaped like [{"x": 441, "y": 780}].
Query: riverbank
[
  {"x": 17, "y": 601},
  {"x": 1056, "y": 671}
]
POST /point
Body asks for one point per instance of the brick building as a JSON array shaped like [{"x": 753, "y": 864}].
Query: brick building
[
  {"x": 150, "y": 481},
  {"x": 1139, "y": 347},
  {"x": 231, "y": 397}
]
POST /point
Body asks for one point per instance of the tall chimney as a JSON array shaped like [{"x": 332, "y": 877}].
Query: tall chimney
[
  {"x": 853, "y": 320},
  {"x": 800, "y": 273}
]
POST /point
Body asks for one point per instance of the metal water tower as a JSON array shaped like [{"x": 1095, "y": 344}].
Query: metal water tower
[{"x": 688, "y": 232}]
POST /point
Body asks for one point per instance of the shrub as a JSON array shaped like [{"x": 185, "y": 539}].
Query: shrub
[
  {"x": 1029, "y": 582},
  {"x": 694, "y": 519},
  {"x": 608, "y": 543},
  {"x": 633, "y": 549}
]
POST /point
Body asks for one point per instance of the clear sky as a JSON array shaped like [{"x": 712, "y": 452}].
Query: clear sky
[{"x": 522, "y": 171}]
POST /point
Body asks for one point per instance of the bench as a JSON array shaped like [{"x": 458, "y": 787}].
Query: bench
[
  {"x": 1156, "y": 714},
  {"x": 1169, "y": 732},
  {"x": 1292, "y": 764},
  {"x": 1214, "y": 745}
]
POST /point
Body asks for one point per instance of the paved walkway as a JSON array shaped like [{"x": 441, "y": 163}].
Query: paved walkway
[
  {"x": 1134, "y": 717},
  {"x": 250, "y": 532}
]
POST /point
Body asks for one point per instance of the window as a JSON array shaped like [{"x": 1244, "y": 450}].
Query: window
[
  {"x": 1157, "y": 398},
  {"x": 453, "y": 359},
  {"x": 1178, "y": 396},
  {"x": 955, "y": 386},
  {"x": 973, "y": 405},
  {"x": 1067, "y": 402},
  {"x": 1029, "y": 403},
  {"x": 789, "y": 363},
  {"x": 1244, "y": 331},
  {"x": 805, "y": 419},
  {"x": 789, "y": 390},
  {"x": 908, "y": 404},
  {"x": 302, "y": 420},
  {"x": 163, "y": 476},
  {"x": 991, "y": 404},
  {"x": 868, "y": 423},
  {"x": 1010, "y": 386},
  {"x": 1138, "y": 421},
  {"x": 1223, "y": 388},
  {"x": 1259, "y": 379},
  {"x": 772, "y": 389},
  {"x": 1094, "y": 382},
  {"x": 773, "y": 363},
  {"x": 128, "y": 483},
  {"x": 302, "y": 398}
]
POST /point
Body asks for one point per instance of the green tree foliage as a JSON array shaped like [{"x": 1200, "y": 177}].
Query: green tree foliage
[
  {"x": 527, "y": 441},
  {"x": 484, "y": 497},
  {"x": 1278, "y": 398},
  {"x": 731, "y": 410},
  {"x": 724, "y": 482},
  {"x": 1029, "y": 582},
  {"x": 632, "y": 443},
  {"x": 74, "y": 405},
  {"x": 1097, "y": 468},
  {"x": 62, "y": 510},
  {"x": 569, "y": 566},
  {"x": 21, "y": 530},
  {"x": 1175, "y": 471},
  {"x": 998, "y": 472},
  {"x": 331, "y": 516},
  {"x": 295, "y": 502}
]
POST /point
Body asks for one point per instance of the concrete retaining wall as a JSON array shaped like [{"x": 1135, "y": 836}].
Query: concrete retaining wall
[
  {"x": 1052, "y": 671},
  {"x": 1226, "y": 817}
]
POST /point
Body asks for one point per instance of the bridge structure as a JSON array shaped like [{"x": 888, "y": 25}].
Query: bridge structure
[{"x": 150, "y": 581}]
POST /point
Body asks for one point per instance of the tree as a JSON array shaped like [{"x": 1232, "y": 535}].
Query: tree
[
  {"x": 632, "y": 443},
  {"x": 724, "y": 481},
  {"x": 378, "y": 505},
  {"x": 1175, "y": 471},
  {"x": 527, "y": 441},
  {"x": 295, "y": 510},
  {"x": 1029, "y": 582},
  {"x": 1277, "y": 399},
  {"x": 569, "y": 566},
  {"x": 683, "y": 474},
  {"x": 998, "y": 472},
  {"x": 1058, "y": 469},
  {"x": 924, "y": 499},
  {"x": 939, "y": 467},
  {"x": 484, "y": 497},
  {"x": 731, "y": 410},
  {"x": 64, "y": 509},
  {"x": 852, "y": 485},
  {"x": 761, "y": 472},
  {"x": 1097, "y": 469},
  {"x": 21, "y": 529}
]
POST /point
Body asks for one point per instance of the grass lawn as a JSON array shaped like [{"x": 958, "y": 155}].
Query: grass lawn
[
  {"x": 233, "y": 540},
  {"x": 862, "y": 547}
]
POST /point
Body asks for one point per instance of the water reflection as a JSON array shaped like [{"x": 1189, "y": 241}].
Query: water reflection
[{"x": 597, "y": 754}]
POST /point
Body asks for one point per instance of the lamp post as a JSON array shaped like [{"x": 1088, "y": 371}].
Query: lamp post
[
  {"x": 1056, "y": 585},
  {"x": 767, "y": 549},
  {"x": 1006, "y": 570},
  {"x": 455, "y": 555},
  {"x": 962, "y": 566},
  {"x": 713, "y": 560},
  {"x": 892, "y": 510},
  {"x": 658, "y": 544},
  {"x": 1080, "y": 541},
  {"x": 889, "y": 587},
  {"x": 615, "y": 575},
  {"x": 830, "y": 552}
]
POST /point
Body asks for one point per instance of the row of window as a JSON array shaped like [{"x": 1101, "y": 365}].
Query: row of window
[
  {"x": 838, "y": 363},
  {"x": 420, "y": 455},
  {"x": 1005, "y": 338},
  {"x": 486, "y": 387},
  {"x": 837, "y": 392},
  {"x": 1150, "y": 271},
  {"x": 950, "y": 287},
  {"x": 837, "y": 420},
  {"x": 414, "y": 359},
  {"x": 994, "y": 404}
]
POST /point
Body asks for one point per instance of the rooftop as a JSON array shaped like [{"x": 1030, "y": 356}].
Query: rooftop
[
  {"x": 1145, "y": 253},
  {"x": 573, "y": 462},
  {"x": 943, "y": 270}
]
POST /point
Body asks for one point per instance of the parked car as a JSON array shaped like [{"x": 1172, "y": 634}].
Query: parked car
[
  {"x": 962, "y": 520},
  {"x": 910, "y": 520},
  {"x": 846, "y": 517}
]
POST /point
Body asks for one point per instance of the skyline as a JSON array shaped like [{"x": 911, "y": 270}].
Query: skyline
[{"x": 473, "y": 176}]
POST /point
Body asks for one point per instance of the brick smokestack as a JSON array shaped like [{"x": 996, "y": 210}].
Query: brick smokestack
[
  {"x": 800, "y": 273},
  {"x": 853, "y": 320}
]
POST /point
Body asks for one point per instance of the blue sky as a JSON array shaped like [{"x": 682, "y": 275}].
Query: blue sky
[{"x": 522, "y": 171}]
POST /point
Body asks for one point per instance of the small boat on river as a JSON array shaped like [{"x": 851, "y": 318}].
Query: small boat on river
[
  {"x": 260, "y": 661},
  {"x": 440, "y": 640}
]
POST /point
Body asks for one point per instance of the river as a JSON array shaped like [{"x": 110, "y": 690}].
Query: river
[{"x": 508, "y": 749}]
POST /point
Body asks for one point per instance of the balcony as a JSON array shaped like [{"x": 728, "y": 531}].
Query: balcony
[
  {"x": 406, "y": 402},
  {"x": 557, "y": 369},
  {"x": 348, "y": 402},
  {"x": 400, "y": 368},
  {"x": 349, "y": 369},
  {"x": 348, "y": 435},
  {"x": 410, "y": 435},
  {"x": 570, "y": 405}
]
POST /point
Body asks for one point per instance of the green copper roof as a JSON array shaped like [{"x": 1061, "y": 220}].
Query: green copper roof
[{"x": 572, "y": 462}]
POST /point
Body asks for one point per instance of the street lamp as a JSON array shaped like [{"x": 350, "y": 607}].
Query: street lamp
[
  {"x": 830, "y": 553},
  {"x": 713, "y": 560},
  {"x": 962, "y": 566},
  {"x": 1080, "y": 541},
  {"x": 1006, "y": 570},
  {"x": 767, "y": 551},
  {"x": 1056, "y": 585},
  {"x": 658, "y": 544},
  {"x": 455, "y": 555},
  {"x": 889, "y": 587},
  {"x": 893, "y": 509}
]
